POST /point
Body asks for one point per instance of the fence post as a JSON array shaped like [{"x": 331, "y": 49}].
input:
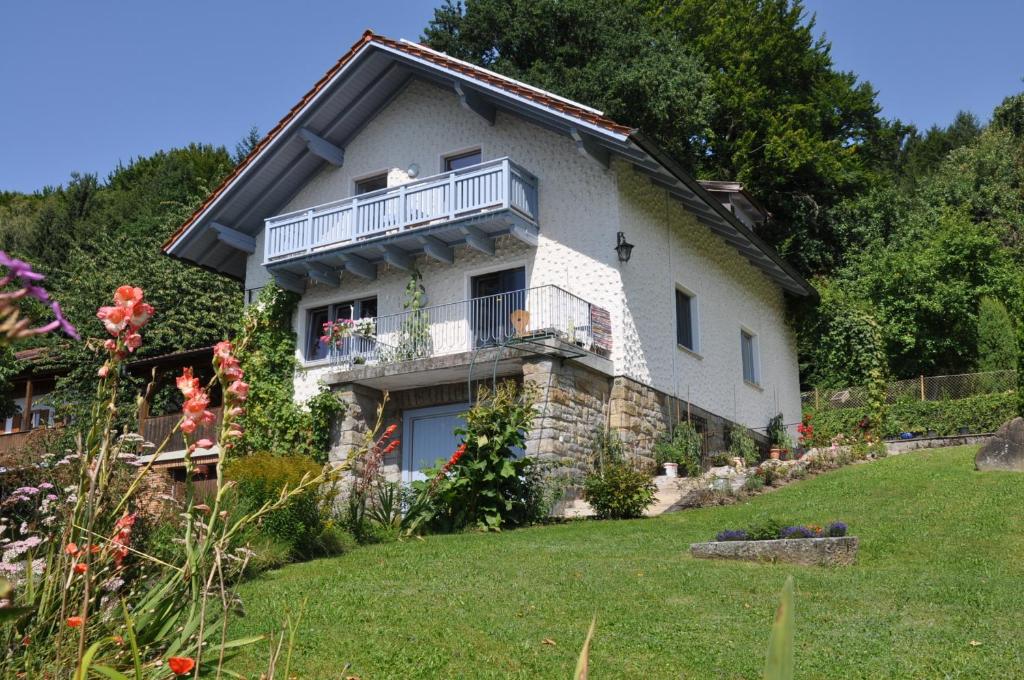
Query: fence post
[{"x": 922, "y": 388}]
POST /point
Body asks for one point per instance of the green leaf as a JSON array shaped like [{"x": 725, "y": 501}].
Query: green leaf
[
  {"x": 242, "y": 642},
  {"x": 779, "y": 664},
  {"x": 583, "y": 663},
  {"x": 508, "y": 469},
  {"x": 108, "y": 672},
  {"x": 481, "y": 441}
]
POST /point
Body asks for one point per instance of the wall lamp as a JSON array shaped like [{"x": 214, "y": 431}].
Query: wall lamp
[{"x": 623, "y": 247}]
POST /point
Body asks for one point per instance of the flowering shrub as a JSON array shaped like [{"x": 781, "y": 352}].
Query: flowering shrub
[
  {"x": 731, "y": 535},
  {"x": 84, "y": 587}
]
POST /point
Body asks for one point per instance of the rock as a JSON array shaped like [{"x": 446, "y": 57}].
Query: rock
[
  {"x": 826, "y": 552},
  {"x": 1005, "y": 450}
]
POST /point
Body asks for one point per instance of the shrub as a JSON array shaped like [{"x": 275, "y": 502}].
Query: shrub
[
  {"x": 618, "y": 491},
  {"x": 980, "y": 413},
  {"x": 770, "y": 529},
  {"x": 683, "y": 446},
  {"x": 836, "y": 529},
  {"x": 754, "y": 482},
  {"x": 797, "y": 472},
  {"x": 260, "y": 478},
  {"x": 742, "y": 445},
  {"x": 486, "y": 483},
  {"x": 719, "y": 459},
  {"x": 266, "y": 552},
  {"x": 765, "y": 530}
]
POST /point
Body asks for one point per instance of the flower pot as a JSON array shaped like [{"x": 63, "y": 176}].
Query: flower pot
[
  {"x": 671, "y": 469},
  {"x": 775, "y": 453}
]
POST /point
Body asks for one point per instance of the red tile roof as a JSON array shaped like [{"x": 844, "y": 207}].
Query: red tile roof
[{"x": 512, "y": 86}]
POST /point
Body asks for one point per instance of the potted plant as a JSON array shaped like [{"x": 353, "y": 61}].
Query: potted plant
[{"x": 777, "y": 436}]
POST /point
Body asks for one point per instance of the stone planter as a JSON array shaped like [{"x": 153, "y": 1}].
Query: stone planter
[
  {"x": 671, "y": 469},
  {"x": 826, "y": 552}
]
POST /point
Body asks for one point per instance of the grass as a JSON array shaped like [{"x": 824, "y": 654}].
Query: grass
[{"x": 941, "y": 570}]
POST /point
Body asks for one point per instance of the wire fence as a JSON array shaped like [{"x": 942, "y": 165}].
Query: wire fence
[{"x": 922, "y": 388}]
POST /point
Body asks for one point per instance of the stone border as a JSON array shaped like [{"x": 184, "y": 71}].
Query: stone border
[{"x": 826, "y": 552}]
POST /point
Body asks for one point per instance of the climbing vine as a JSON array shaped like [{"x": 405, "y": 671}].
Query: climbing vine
[
  {"x": 414, "y": 335},
  {"x": 273, "y": 422}
]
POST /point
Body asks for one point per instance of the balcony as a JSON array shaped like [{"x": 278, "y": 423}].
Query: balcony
[
  {"x": 469, "y": 205},
  {"x": 523, "y": 319}
]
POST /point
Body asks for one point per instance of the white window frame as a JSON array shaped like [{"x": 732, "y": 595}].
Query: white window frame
[
  {"x": 755, "y": 351},
  {"x": 694, "y": 320},
  {"x": 465, "y": 151}
]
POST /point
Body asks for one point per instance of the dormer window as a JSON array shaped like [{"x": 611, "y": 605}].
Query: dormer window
[{"x": 462, "y": 160}]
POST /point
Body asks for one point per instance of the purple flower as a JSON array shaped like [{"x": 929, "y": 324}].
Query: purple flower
[
  {"x": 731, "y": 535},
  {"x": 837, "y": 529},
  {"x": 19, "y": 268},
  {"x": 796, "y": 532}
]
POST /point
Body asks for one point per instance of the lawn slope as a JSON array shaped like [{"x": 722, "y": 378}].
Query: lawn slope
[{"x": 941, "y": 566}]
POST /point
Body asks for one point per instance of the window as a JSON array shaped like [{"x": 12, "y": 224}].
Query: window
[
  {"x": 748, "y": 350},
  {"x": 686, "y": 321},
  {"x": 375, "y": 183},
  {"x": 462, "y": 160},
  {"x": 352, "y": 309}
]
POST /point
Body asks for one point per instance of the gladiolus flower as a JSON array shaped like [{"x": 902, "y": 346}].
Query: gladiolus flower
[
  {"x": 109, "y": 345},
  {"x": 114, "y": 319},
  {"x": 71, "y": 549},
  {"x": 239, "y": 389},
  {"x": 75, "y": 621},
  {"x": 390, "y": 430},
  {"x": 204, "y": 444},
  {"x": 81, "y": 568},
  {"x": 141, "y": 314},
  {"x": 181, "y": 665},
  {"x": 222, "y": 350},
  {"x": 187, "y": 384},
  {"x": 133, "y": 342},
  {"x": 104, "y": 371},
  {"x": 127, "y": 296},
  {"x": 188, "y": 426},
  {"x": 391, "y": 447}
]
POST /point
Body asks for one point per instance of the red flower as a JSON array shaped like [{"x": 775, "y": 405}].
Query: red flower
[
  {"x": 81, "y": 568},
  {"x": 390, "y": 431},
  {"x": 391, "y": 446},
  {"x": 181, "y": 665},
  {"x": 71, "y": 549},
  {"x": 75, "y": 621}
]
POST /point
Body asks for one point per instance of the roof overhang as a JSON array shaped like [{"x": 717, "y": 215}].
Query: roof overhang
[{"x": 219, "y": 235}]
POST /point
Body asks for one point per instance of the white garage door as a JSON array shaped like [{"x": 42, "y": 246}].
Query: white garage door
[{"x": 429, "y": 435}]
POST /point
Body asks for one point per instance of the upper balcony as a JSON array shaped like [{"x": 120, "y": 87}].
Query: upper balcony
[{"x": 470, "y": 205}]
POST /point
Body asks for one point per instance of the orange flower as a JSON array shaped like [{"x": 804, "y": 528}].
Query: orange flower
[
  {"x": 118, "y": 640},
  {"x": 94, "y": 549},
  {"x": 391, "y": 430},
  {"x": 181, "y": 665},
  {"x": 81, "y": 568},
  {"x": 75, "y": 621},
  {"x": 71, "y": 549}
]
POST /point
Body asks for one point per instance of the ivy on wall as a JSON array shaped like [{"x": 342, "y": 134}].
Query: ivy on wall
[{"x": 273, "y": 422}]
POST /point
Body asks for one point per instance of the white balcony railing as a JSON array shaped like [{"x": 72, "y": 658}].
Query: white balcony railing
[
  {"x": 495, "y": 320},
  {"x": 472, "y": 191}
]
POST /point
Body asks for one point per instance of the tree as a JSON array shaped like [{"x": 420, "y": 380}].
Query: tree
[
  {"x": 603, "y": 53},
  {"x": 997, "y": 341}
]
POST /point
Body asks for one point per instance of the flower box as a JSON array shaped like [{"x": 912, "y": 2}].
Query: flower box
[{"x": 826, "y": 552}]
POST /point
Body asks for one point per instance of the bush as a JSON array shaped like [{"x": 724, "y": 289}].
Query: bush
[
  {"x": 267, "y": 552},
  {"x": 980, "y": 413},
  {"x": 754, "y": 483},
  {"x": 742, "y": 445},
  {"x": 684, "y": 447},
  {"x": 260, "y": 478},
  {"x": 618, "y": 491}
]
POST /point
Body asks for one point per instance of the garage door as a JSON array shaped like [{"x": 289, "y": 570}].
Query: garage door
[{"x": 429, "y": 435}]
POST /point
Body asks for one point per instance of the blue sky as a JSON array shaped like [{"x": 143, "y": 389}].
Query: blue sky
[{"x": 86, "y": 84}]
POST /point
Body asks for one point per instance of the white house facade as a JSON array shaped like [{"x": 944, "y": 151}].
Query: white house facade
[{"x": 505, "y": 205}]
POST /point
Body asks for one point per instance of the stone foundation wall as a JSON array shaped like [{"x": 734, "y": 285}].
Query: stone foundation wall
[{"x": 572, "y": 402}]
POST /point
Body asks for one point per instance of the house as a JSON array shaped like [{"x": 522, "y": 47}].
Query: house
[
  {"x": 32, "y": 389},
  {"x": 552, "y": 245}
]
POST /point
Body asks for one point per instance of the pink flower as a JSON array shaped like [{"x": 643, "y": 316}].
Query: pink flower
[
  {"x": 204, "y": 444},
  {"x": 114, "y": 319},
  {"x": 187, "y": 384},
  {"x": 223, "y": 349},
  {"x": 239, "y": 389},
  {"x": 133, "y": 342},
  {"x": 127, "y": 296},
  {"x": 104, "y": 371},
  {"x": 109, "y": 344},
  {"x": 141, "y": 314},
  {"x": 188, "y": 426}
]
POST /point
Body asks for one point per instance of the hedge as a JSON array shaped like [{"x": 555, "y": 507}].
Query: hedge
[{"x": 981, "y": 413}]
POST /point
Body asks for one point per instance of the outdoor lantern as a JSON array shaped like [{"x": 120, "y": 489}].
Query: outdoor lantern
[{"x": 623, "y": 248}]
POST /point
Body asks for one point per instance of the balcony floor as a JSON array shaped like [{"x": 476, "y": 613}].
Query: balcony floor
[
  {"x": 433, "y": 240},
  {"x": 449, "y": 368}
]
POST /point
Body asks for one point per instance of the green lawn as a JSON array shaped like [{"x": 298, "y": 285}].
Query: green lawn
[{"x": 941, "y": 565}]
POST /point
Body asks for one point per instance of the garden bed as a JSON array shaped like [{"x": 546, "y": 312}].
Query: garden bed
[{"x": 827, "y": 552}]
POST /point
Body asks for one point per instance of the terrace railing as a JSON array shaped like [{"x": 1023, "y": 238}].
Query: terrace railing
[
  {"x": 495, "y": 320},
  {"x": 472, "y": 191}
]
